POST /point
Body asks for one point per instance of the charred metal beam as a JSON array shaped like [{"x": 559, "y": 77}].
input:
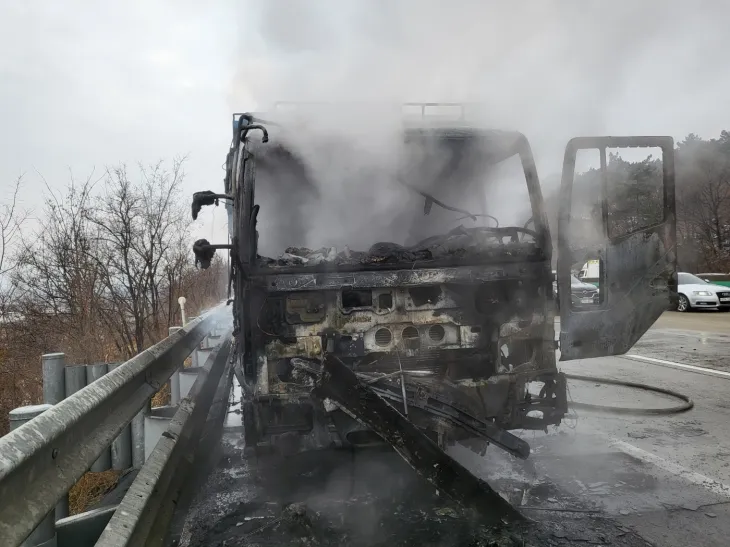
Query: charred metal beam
[
  {"x": 339, "y": 383},
  {"x": 246, "y": 128},
  {"x": 402, "y": 277},
  {"x": 486, "y": 430}
]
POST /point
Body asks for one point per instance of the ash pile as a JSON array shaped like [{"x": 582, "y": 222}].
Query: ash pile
[{"x": 370, "y": 498}]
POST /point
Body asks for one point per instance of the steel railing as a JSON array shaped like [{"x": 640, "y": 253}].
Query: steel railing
[
  {"x": 43, "y": 458},
  {"x": 144, "y": 514}
]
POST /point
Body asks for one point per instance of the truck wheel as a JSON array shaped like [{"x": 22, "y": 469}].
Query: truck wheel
[{"x": 683, "y": 303}]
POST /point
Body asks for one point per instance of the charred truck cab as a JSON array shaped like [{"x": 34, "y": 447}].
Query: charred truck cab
[{"x": 455, "y": 331}]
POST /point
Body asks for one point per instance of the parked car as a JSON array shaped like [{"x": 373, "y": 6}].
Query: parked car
[
  {"x": 581, "y": 293},
  {"x": 695, "y": 293}
]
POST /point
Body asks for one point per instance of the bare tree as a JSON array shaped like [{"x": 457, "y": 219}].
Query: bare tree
[
  {"x": 703, "y": 198},
  {"x": 177, "y": 263},
  {"x": 138, "y": 224},
  {"x": 58, "y": 279},
  {"x": 100, "y": 277},
  {"x": 12, "y": 218},
  {"x": 205, "y": 288},
  {"x": 16, "y": 385}
]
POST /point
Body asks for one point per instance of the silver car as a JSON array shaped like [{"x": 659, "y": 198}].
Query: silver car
[
  {"x": 696, "y": 293},
  {"x": 581, "y": 293}
]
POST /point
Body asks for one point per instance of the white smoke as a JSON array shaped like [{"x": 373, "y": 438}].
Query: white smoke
[{"x": 551, "y": 69}]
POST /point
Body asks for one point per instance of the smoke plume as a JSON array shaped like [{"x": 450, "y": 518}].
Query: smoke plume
[{"x": 551, "y": 69}]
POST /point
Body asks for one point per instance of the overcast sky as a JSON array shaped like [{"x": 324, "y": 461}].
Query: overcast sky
[{"x": 84, "y": 84}]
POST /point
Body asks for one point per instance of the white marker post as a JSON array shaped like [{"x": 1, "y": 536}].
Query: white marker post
[{"x": 182, "y": 301}]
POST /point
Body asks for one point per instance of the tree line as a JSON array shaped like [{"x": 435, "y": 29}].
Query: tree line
[
  {"x": 100, "y": 276},
  {"x": 703, "y": 204},
  {"x": 635, "y": 199}
]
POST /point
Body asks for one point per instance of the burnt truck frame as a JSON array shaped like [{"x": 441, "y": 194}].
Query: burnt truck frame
[{"x": 463, "y": 347}]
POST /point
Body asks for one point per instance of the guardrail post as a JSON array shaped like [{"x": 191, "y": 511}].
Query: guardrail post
[
  {"x": 83, "y": 529},
  {"x": 44, "y": 534},
  {"x": 187, "y": 379},
  {"x": 194, "y": 355},
  {"x": 54, "y": 391},
  {"x": 75, "y": 376},
  {"x": 175, "y": 378},
  {"x": 54, "y": 378},
  {"x": 138, "y": 438},
  {"x": 122, "y": 445},
  {"x": 155, "y": 424},
  {"x": 93, "y": 373}
]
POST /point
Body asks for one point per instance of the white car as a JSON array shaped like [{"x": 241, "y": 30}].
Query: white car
[{"x": 698, "y": 293}]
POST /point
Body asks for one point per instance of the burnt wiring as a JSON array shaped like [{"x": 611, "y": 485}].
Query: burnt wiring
[
  {"x": 258, "y": 318},
  {"x": 687, "y": 404},
  {"x": 430, "y": 201},
  {"x": 483, "y": 215}
]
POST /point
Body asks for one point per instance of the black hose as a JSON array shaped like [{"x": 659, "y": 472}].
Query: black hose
[{"x": 687, "y": 405}]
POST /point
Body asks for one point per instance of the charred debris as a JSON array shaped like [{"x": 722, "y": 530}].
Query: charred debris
[{"x": 419, "y": 346}]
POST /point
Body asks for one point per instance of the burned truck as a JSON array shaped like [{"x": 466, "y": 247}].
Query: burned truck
[{"x": 454, "y": 325}]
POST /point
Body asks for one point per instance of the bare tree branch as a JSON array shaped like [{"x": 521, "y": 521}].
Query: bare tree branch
[{"x": 12, "y": 219}]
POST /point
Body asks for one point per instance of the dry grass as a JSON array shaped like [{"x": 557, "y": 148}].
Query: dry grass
[
  {"x": 162, "y": 397},
  {"x": 90, "y": 489}
]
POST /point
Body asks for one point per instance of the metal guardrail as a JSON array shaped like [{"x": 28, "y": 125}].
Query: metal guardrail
[
  {"x": 144, "y": 514},
  {"x": 43, "y": 458}
]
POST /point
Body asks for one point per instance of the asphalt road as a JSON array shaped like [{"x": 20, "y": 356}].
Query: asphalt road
[
  {"x": 665, "y": 477},
  {"x": 699, "y": 321},
  {"x": 598, "y": 479},
  {"x": 697, "y": 338}
]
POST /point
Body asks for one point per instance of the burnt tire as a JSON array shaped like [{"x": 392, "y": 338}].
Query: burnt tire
[{"x": 683, "y": 304}]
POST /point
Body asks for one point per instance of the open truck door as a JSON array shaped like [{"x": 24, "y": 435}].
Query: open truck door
[{"x": 626, "y": 223}]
